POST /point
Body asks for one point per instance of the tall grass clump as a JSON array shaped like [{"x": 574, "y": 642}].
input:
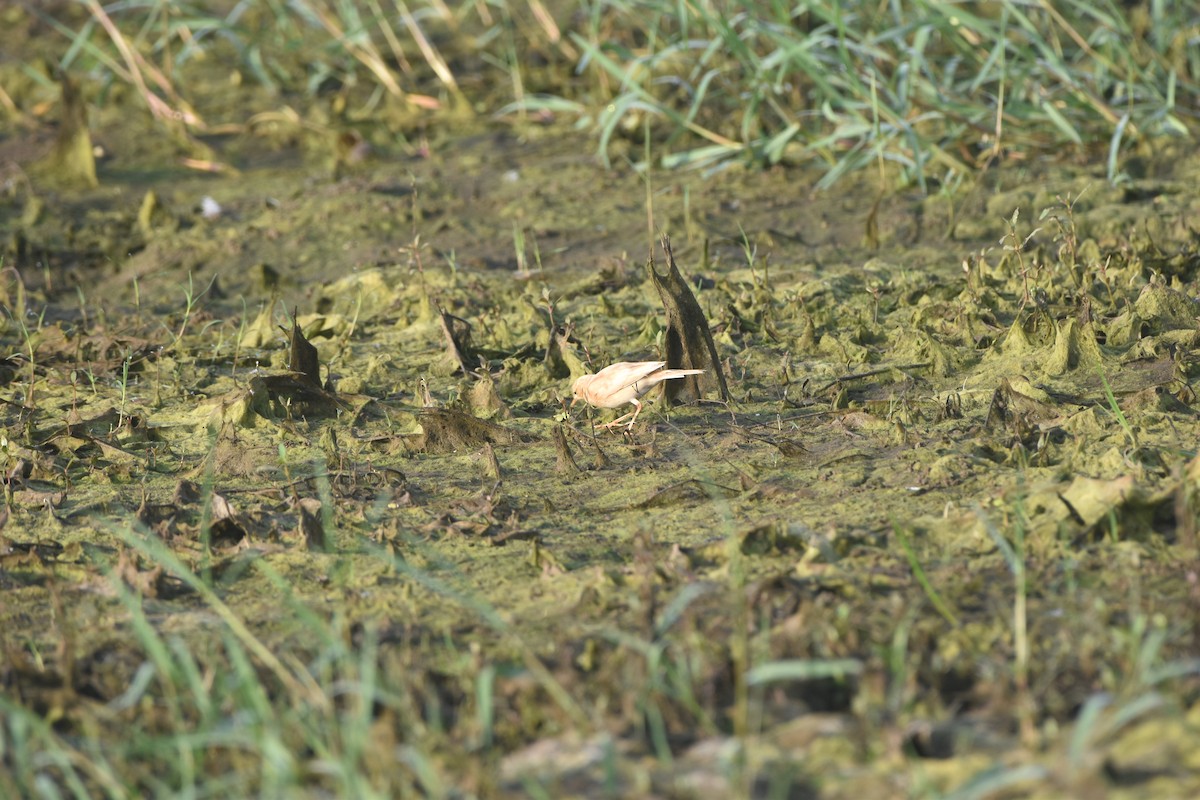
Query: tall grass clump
[{"x": 933, "y": 88}]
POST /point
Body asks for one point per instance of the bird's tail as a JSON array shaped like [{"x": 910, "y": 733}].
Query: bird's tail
[{"x": 667, "y": 374}]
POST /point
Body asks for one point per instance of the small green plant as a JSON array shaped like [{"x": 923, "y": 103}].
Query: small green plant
[
  {"x": 520, "y": 248},
  {"x": 1013, "y": 552},
  {"x": 1115, "y": 408},
  {"x": 31, "y": 353},
  {"x": 1062, "y": 216},
  {"x": 190, "y": 299},
  {"x": 123, "y": 384},
  {"x": 1015, "y": 245},
  {"x": 919, "y": 572}
]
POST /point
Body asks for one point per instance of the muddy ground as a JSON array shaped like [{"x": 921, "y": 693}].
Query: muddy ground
[{"x": 943, "y": 533}]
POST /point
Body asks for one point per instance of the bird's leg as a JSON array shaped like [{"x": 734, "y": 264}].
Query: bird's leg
[
  {"x": 637, "y": 409},
  {"x": 618, "y": 421},
  {"x": 622, "y": 419}
]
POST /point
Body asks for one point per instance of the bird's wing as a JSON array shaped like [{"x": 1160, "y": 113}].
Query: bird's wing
[{"x": 640, "y": 371}]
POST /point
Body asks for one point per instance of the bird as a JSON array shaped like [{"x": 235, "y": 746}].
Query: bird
[{"x": 624, "y": 382}]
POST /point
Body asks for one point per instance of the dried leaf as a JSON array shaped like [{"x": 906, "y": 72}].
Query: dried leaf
[
  {"x": 689, "y": 343},
  {"x": 564, "y": 462},
  {"x": 445, "y": 430},
  {"x": 302, "y": 357},
  {"x": 458, "y": 340},
  {"x": 73, "y": 159},
  {"x": 311, "y": 527}
]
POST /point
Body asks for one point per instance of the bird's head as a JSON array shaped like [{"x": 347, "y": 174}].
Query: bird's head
[{"x": 580, "y": 387}]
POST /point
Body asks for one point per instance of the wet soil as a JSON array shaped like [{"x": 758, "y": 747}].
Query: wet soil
[{"x": 957, "y": 478}]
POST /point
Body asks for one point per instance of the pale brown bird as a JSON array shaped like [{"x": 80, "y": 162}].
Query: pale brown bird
[{"x": 622, "y": 383}]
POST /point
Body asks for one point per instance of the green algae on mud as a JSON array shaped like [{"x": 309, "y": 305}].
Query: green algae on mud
[{"x": 1018, "y": 404}]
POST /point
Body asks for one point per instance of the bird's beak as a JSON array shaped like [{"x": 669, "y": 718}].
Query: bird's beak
[{"x": 574, "y": 400}]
